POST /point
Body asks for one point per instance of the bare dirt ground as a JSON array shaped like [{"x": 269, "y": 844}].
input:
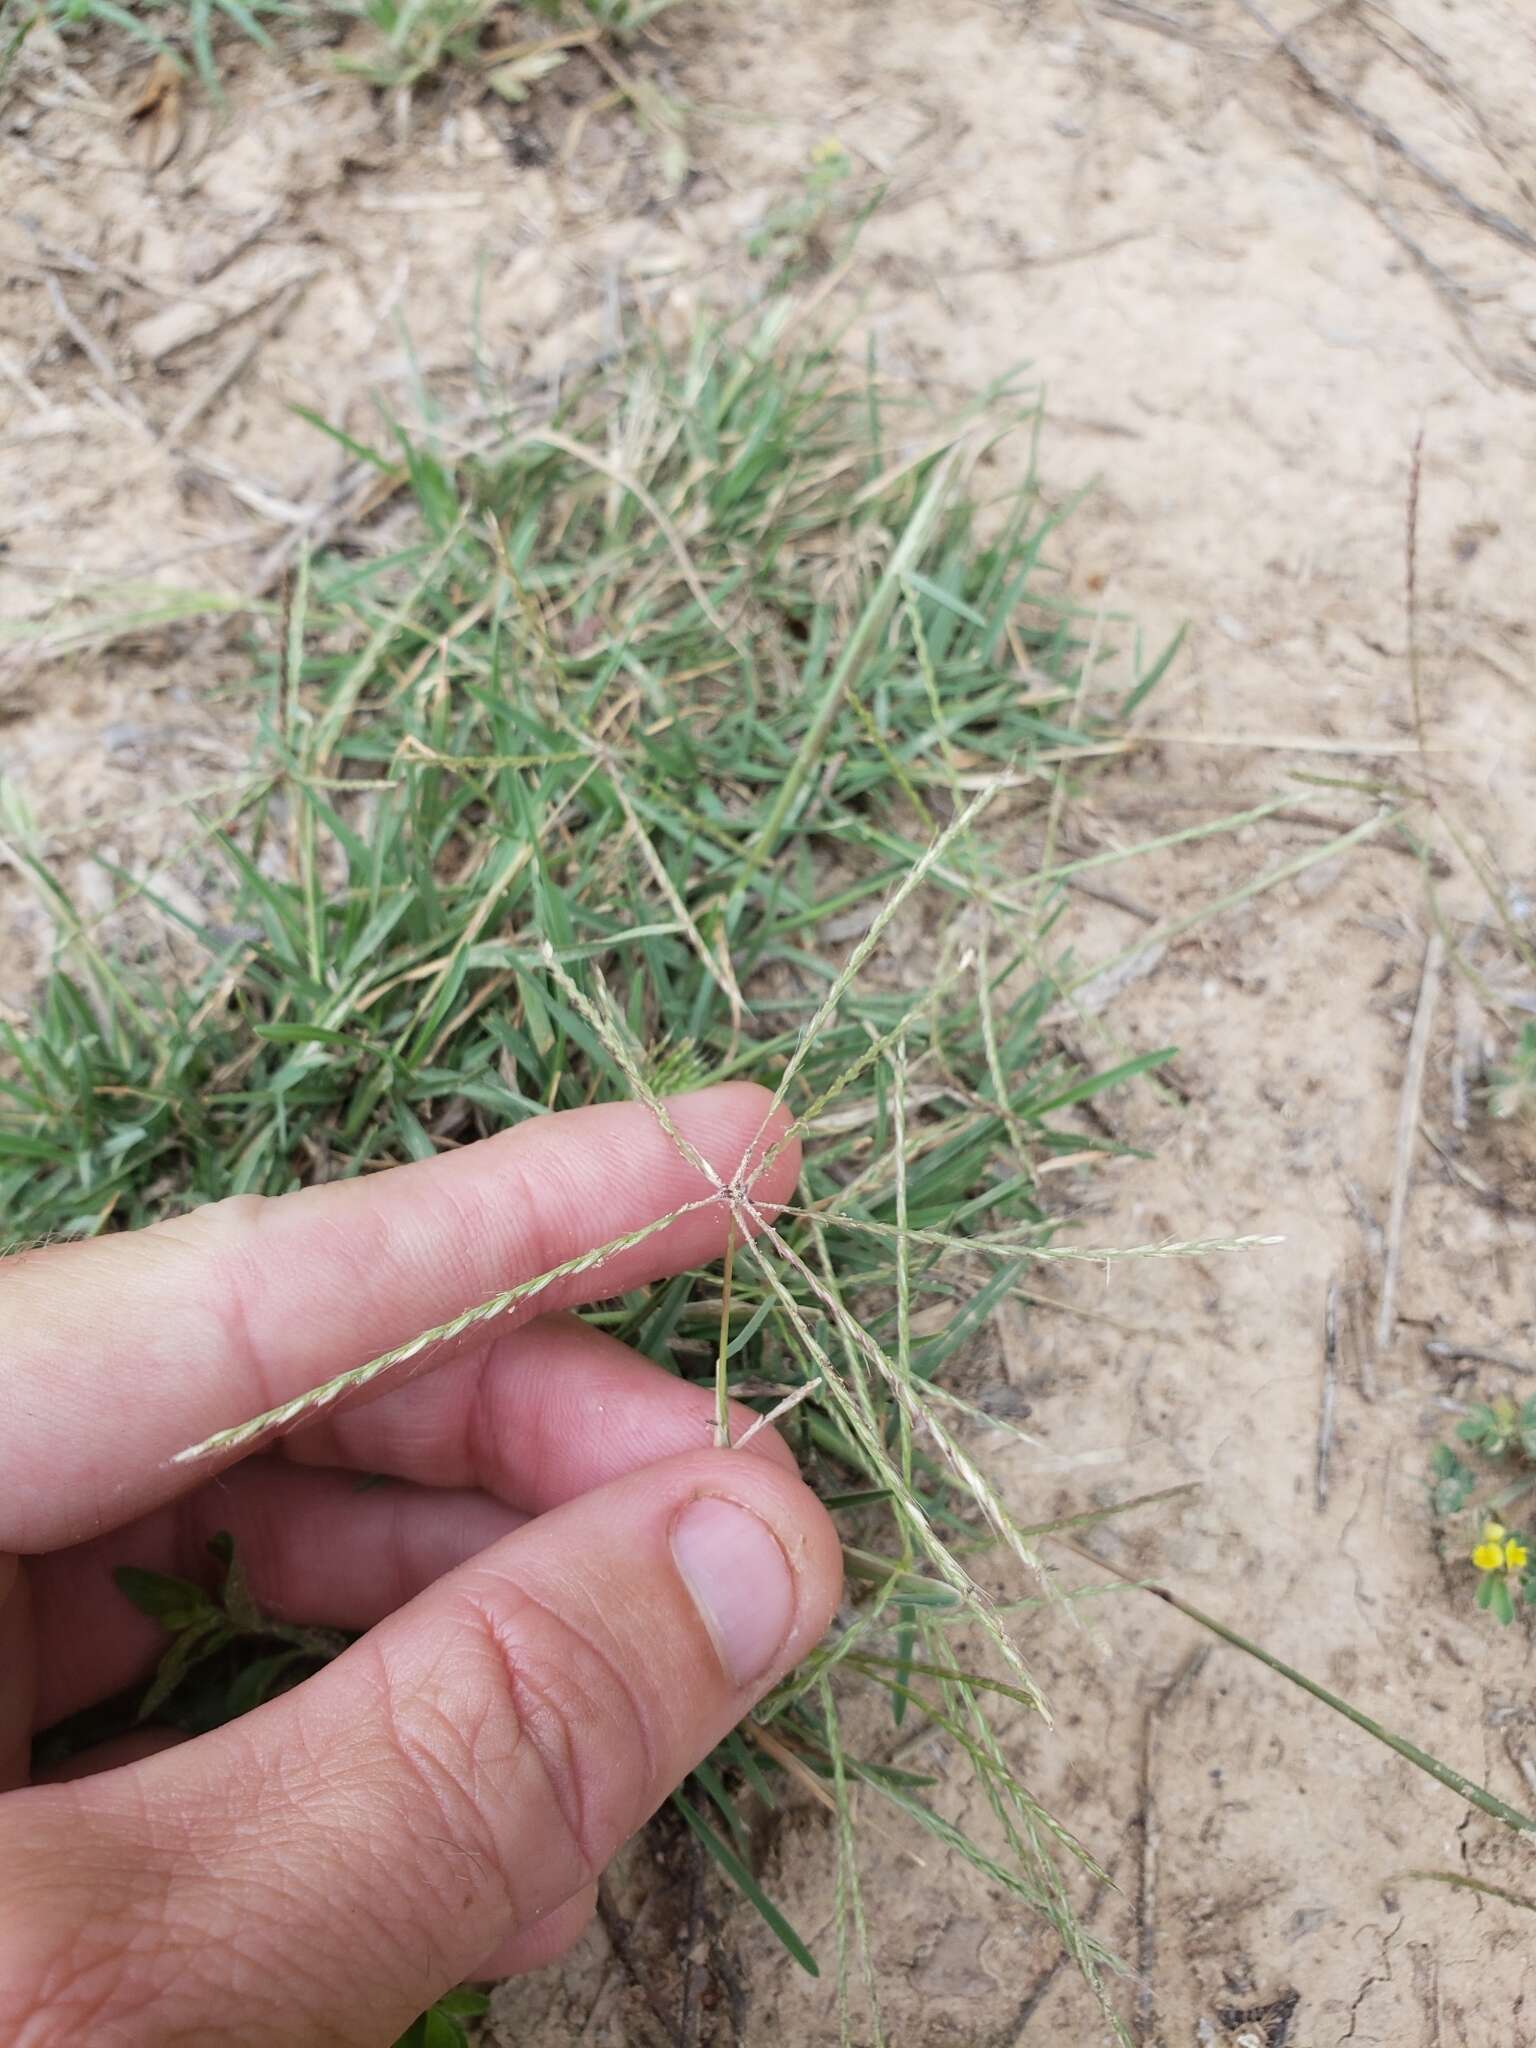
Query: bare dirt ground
[{"x": 1245, "y": 301}]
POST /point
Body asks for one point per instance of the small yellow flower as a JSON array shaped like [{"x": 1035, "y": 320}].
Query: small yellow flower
[
  {"x": 1494, "y": 1532},
  {"x": 1515, "y": 1554},
  {"x": 1488, "y": 1556}
]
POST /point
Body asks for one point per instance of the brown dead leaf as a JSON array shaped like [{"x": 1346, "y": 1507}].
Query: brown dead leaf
[{"x": 157, "y": 113}]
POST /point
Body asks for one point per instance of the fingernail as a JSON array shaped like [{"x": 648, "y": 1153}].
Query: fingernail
[{"x": 740, "y": 1580}]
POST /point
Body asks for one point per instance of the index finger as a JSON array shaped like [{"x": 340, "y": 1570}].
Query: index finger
[{"x": 117, "y": 1353}]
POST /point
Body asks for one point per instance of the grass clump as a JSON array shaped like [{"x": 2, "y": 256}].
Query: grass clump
[
  {"x": 167, "y": 27},
  {"x": 411, "y": 40},
  {"x": 414, "y": 40},
  {"x": 634, "y": 748}
]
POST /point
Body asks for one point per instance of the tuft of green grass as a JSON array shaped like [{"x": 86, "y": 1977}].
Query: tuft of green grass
[
  {"x": 413, "y": 40},
  {"x": 643, "y": 746},
  {"x": 168, "y": 27},
  {"x": 416, "y": 39}
]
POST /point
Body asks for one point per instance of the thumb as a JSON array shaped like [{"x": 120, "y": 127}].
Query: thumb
[{"x": 322, "y": 1869}]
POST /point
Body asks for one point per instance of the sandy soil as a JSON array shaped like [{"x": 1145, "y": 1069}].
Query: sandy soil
[{"x": 1246, "y": 303}]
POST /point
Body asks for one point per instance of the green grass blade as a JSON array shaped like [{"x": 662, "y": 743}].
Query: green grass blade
[{"x": 747, "y": 1885}]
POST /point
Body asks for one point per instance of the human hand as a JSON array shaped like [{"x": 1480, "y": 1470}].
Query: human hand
[{"x": 569, "y": 1599}]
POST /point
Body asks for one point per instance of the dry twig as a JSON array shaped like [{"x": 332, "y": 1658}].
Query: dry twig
[
  {"x": 1330, "y": 1392},
  {"x": 1445, "y": 1351},
  {"x": 1407, "y": 1134}
]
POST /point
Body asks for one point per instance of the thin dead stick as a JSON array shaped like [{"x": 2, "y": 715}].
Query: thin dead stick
[
  {"x": 1426, "y": 60},
  {"x": 208, "y": 270},
  {"x": 513, "y": 53},
  {"x": 1330, "y": 1391},
  {"x": 279, "y": 306},
  {"x": 82, "y": 336},
  {"x": 1357, "y": 1312},
  {"x": 13, "y": 370},
  {"x": 1485, "y": 216},
  {"x": 1457, "y": 1171},
  {"x": 1115, "y": 900},
  {"x": 795, "y": 1765},
  {"x": 1147, "y": 1917},
  {"x": 1280, "y": 742},
  {"x": 1407, "y": 1135},
  {"x": 360, "y": 489},
  {"x": 1161, "y": 25},
  {"x": 1444, "y": 1351},
  {"x": 1453, "y": 296}
]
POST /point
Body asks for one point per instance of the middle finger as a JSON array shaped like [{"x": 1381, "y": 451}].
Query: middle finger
[{"x": 538, "y": 1418}]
